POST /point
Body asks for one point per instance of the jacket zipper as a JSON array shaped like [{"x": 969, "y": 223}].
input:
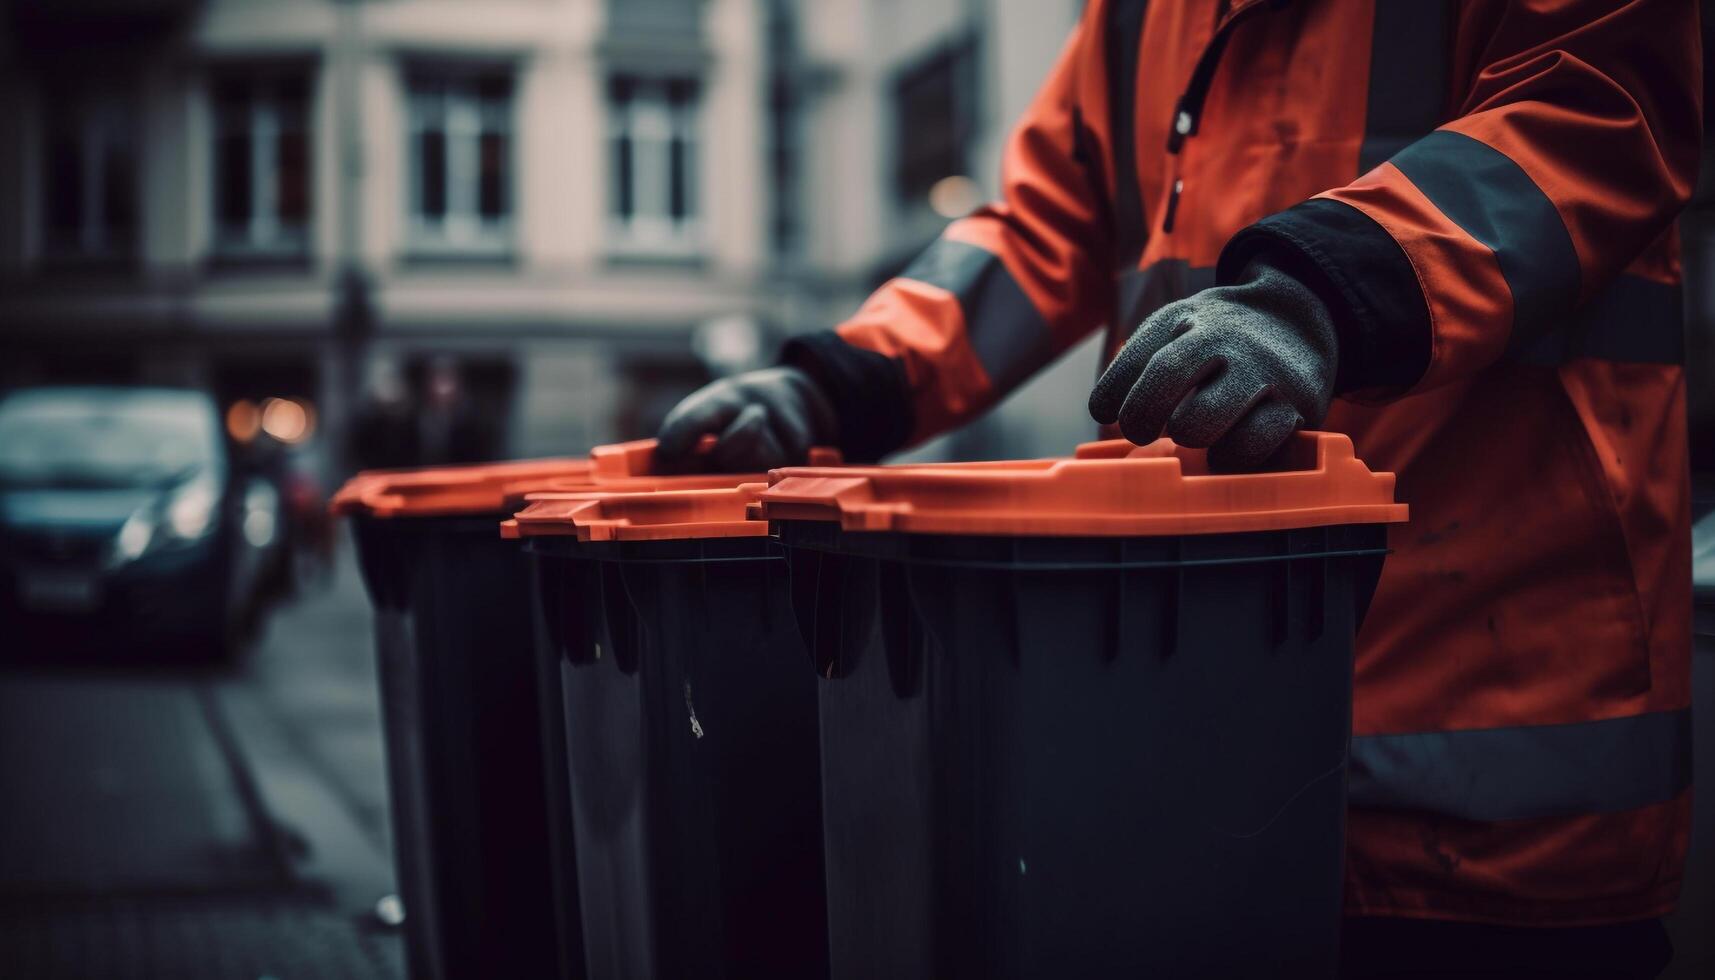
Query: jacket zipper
[{"x": 1189, "y": 106}]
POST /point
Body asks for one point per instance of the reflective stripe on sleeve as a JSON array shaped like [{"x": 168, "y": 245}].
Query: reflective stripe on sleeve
[
  {"x": 1005, "y": 330},
  {"x": 1493, "y": 200},
  {"x": 1530, "y": 771},
  {"x": 1632, "y": 320}
]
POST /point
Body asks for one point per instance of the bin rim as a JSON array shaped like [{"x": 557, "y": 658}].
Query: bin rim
[
  {"x": 628, "y": 468},
  {"x": 579, "y": 487},
  {"x": 500, "y": 487},
  {"x": 645, "y": 515},
  {"x": 1109, "y": 489},
  {"x": 536, "y": 523}
]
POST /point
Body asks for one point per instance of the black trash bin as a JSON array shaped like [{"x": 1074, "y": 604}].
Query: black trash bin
[
  {"x": 691, "y": 735},
  {"x": 1085, "y": 717},
  {"x": 467, "y": 784}
]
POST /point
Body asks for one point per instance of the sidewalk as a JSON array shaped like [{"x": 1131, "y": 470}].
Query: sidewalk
[{"x": 178, "y": 824}]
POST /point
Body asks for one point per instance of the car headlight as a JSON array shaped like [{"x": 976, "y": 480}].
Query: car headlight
[
  {"x": 191, "y": 512},
  {"x": 134, "y": 536}
]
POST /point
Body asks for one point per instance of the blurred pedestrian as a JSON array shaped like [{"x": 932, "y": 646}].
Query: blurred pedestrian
[
  {"x": 384, "y": 429},
  {"x": 451, "y": 425}
]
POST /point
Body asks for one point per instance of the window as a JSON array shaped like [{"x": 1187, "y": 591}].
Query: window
[
  {"x": 261, "y": 165},
  {"x": 653, "y": 143},
  {"x": 461, "y": 161},
  {"x": 91, "y": 178},
  {"x": 935, "y": 120}
]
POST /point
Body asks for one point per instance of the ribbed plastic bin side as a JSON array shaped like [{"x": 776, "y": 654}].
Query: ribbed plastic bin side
[
  {"x": 690, "y": 714},
  {"x": 484, "y": 765},
  {"x": 551, "y": 714},
  {"x": 384, "y": 557},
  {"x": 1089, "y": 758},
  {"x": 466, "y": 776}
]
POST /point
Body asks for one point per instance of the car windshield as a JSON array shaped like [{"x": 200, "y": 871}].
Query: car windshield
[{"x": 104, "y": 437}]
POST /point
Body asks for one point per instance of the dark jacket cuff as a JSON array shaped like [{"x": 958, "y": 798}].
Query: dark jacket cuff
[
  {"x": 1363, "y": 276},
  {"x": 868, "y": 392}
]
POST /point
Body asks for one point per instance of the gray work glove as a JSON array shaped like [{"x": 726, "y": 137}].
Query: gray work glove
[
  {"x": 1234, "y": 369},
  {"x": 762, "y": 419}
]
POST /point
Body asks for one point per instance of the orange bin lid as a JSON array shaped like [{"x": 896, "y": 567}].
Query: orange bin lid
[
  {"x": 1109, "y": 489},
  {"x": 448, "y": 490},
  {"x": 647, "y": 516}
]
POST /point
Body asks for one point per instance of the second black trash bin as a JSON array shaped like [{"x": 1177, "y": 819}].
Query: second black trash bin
[
  {"x": 691, "y": 734},
  {"x": 466, "y": 787},
  {"x": 1085, "y": 717}
]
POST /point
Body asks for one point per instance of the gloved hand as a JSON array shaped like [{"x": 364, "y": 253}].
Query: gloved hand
[
  {"x": 1234, "y": 369},
  {"x": 762, "y": 419}
]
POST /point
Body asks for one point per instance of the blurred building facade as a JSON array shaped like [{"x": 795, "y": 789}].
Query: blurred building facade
[
  {"x": 550, "y": 216},
  {"x": 561, "y": 213}
]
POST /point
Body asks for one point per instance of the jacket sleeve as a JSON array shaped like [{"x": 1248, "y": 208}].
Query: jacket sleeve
[
  {"x": 997, "y": 296},
  {"x": 1572, "y": 145}
]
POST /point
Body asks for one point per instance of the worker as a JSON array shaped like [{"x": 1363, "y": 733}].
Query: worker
[{"x": 1446, "y": 229}]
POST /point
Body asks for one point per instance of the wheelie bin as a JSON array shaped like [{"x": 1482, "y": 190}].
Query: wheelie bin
[
  {"x": 476, "y": 779},
  {"x": 1085, "y": 717},
  {"x": 465, "y": 766},
  {"x": 690, "y": 716}
]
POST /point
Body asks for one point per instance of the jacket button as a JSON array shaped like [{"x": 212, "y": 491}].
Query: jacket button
[{"x": 1182, "y": 123}]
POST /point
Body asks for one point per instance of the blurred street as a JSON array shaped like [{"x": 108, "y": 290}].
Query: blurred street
[{"x": 186, "y": 823}]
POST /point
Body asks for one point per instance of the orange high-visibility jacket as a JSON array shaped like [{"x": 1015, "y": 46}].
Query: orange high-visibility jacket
[{"x": 1483, "y": 192}]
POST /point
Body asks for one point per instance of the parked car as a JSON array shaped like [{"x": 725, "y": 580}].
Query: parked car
[{"x": 125, "y": 524}]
